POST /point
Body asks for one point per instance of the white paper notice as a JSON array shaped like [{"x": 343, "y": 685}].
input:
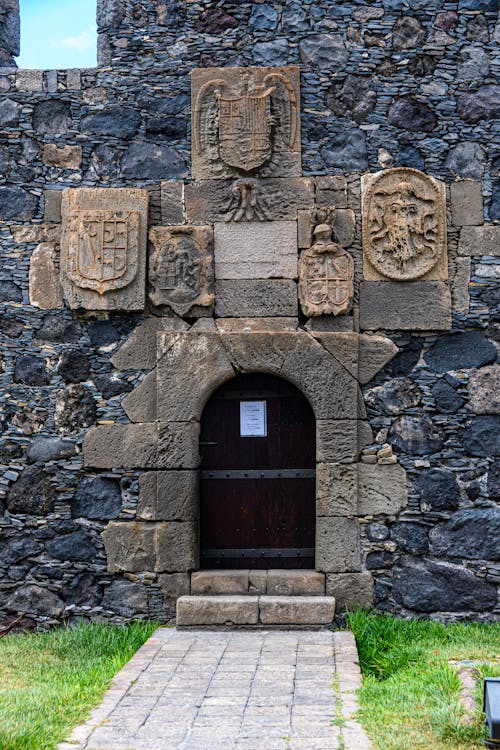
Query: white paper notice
[{"x": 253, "y": 419}]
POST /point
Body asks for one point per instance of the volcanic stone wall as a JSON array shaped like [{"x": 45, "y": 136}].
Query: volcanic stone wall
[{"x": 393, "y": 83}]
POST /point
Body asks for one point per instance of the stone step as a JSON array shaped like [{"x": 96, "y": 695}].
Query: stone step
[
  {"x": 255, "y": 611},
  {"x": 255, "y": 582}
]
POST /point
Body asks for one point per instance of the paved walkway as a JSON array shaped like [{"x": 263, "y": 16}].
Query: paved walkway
[{"x": 231, "y": 690}]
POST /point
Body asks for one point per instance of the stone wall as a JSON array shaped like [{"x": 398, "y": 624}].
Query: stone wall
[{"x": 383, "y": 84}]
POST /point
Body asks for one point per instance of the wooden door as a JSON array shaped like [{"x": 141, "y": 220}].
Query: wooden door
[{"x": 258, "y": 491}]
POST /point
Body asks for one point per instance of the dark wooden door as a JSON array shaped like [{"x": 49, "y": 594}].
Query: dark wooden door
[{"x": 257, "y": 492}]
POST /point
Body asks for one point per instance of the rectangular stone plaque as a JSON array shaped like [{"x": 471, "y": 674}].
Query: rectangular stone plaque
[
  {"x": 256, "y": 250},
  {"x": 245, "y": 120},
  {"x": 103, "y": 248}
]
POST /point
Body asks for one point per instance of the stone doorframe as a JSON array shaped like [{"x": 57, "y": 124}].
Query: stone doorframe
[{"x": 165, "y": 411}]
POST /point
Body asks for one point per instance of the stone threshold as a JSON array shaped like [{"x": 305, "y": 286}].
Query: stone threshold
[
  {"x": 245, "y": 582},
  {"x": 255, "y": 611}
]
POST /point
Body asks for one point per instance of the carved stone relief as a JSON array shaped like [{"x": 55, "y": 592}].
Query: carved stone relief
[
  {"x": 326, "y": 273},
  {"x": 103, "y": 248},
  {"x": 180, "y": 267},
  {"x": 245, "y": 121},
  {"x": 404, "y": 226}
]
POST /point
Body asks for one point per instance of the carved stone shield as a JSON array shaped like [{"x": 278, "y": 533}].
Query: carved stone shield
[
  {"x": 180, "y": 269},
  {"x": 102, "y": 252},
  {"x": 245, "y": 130},
  {"x": 325, "y": 281}
]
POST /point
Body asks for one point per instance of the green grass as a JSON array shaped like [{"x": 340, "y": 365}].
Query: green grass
[
  {"x": 49, "y": 682},
  {"x": 410, "y": 693}
]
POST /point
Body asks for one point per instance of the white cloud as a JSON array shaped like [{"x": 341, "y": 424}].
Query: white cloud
[{"x": 81, "y": 42}]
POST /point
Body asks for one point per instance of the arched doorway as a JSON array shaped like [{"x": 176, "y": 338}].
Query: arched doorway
[{"x": 257, "y": 495}]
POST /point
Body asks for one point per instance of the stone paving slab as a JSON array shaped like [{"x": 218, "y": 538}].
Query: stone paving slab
[{"x": 231, "y": 690}]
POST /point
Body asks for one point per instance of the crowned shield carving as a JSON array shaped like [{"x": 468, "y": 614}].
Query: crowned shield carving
[
  {"x": 244, "y": 120},
  {"x": 103, "y": 248},
  {"x": 326, "y": 274},
  {"x": 180, "y": 267},
  {"x": 404, "y": 225}
]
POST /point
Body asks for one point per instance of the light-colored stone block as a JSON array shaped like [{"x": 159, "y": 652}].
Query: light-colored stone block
[
  {"x": 129, "y": 546},
  {"x": 168, "y": 496},
  {"x": 336, "y": 489},
  {"x": 257, "y": 250},
  {"x": 44, "y": 285},
  {"x": 257, "y": 581},
  {"x": 103, "y": 248},
  {"x": 392, "y": 306},
  {"x": 466, "y": 198},
  {"x": 460, "y": 286},
  {"x": 172, "y": 202},
  {"x": 256, "y": 298},
  {"x": 350, "y": 590},
  {"x": 173, "y": 585},
  {"x": 338, "y": 545},
  {"x": 483, "y": 240},
  {"x": 216, "y": 582},
  {"x": 67, "y": 157},
  {"x": 139, "y": 351},
  {"x": 35, "y": 233},
  {"x": 295, "y": 583},
  {"x": 296, "y": 610},
  {"x": 341, "y": 440},
  {"x": 176, "y": 546},
  {"x": 217, "y": 610},
  {"x": 381, "y": 489},
  {"x": 140, "y": 404}
]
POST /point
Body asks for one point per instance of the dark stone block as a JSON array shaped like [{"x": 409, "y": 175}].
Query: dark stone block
[
  {"x": 16, "y": 204},
  {"x": 294, "y": 17},
  {"x": 411, "y": 114},
  {"x": 473, "y": 534},
  {"x": 407, "y": 33},
  {"x": 154, "y": 162},
  {"x": 481, "y": 436},
  {"x": 483, "y": 104},
  {"x": 377, "y": 532},
  {"x": 477, "y": 29},
  {"x": 82, "y": 591},
  {"x": 422, "y": 65},
  {"x": 43, "y": 449},
  {"x": 31, "y": 370},
  {"x": 58, "y": 329},
  {"x": 263, "y": 17},
  {"x": 415, "y": 435},
  {"x": 97, "y": 497},
  {"x": 270, "y": 53},
  {"x": 346, "y": 151},
  {"x": 410, "y": 537},
  {"x": 447, "y": 399},
  {"x": 438, "y": 489},
  {"x": 173, "y": 127},
  {"x": 494, "y": 481},
  {"x": 35, "y": 600},
  {"x": 9, "y": 111},
  {"x": 441, "y": 587},
  {"x": 102, "y": 332},
  {"x": 111, "y": 386},
  {"x": 31, "y": 494},
  {"x": 120, "y": 122},
  {"x": 354, "y": 98},
  {"x": 215, "y": 21},
  {"x": 460, "y": 351},
  {"x": 494, "y": 208},
  {"x": 10, "y": 292},
  {"x": 467, "y": 160},
  {"x": 446, "y": 21},
  {"x": 52, "y": 117},
  {"x": 410, "y": 157},
  {"x": 11, "y": 327},
  {"x": 75, "y": 409},
  {"x": 126, "y": 598},
  {"x": 75, "y": 546},
  {"x": 326, "y": 51},
  {"x": 73, "y": 366},
  {"x": 10, "y": 30},
  {"x": 379, "y": 559},
  {"x": 110, "y": 13},
  {"x": 394, "y": 396},
  {"x": 405, "y": 360},
  {"x": 105, "y": 162},
  {"x": 18, "y": 548}
]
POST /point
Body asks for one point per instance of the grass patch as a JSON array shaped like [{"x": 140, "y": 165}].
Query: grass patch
[
  {"x": 410, "y": 694},
  {"x": 50, "y": 681}
]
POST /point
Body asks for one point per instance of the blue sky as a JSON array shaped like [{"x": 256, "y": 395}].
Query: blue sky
[{"x": 58, "y": 34}]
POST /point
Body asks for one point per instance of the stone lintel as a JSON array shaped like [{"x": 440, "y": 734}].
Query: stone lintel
[
  {"x": 400, "y": 305},
  {"x": 381, "y": 489}
]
